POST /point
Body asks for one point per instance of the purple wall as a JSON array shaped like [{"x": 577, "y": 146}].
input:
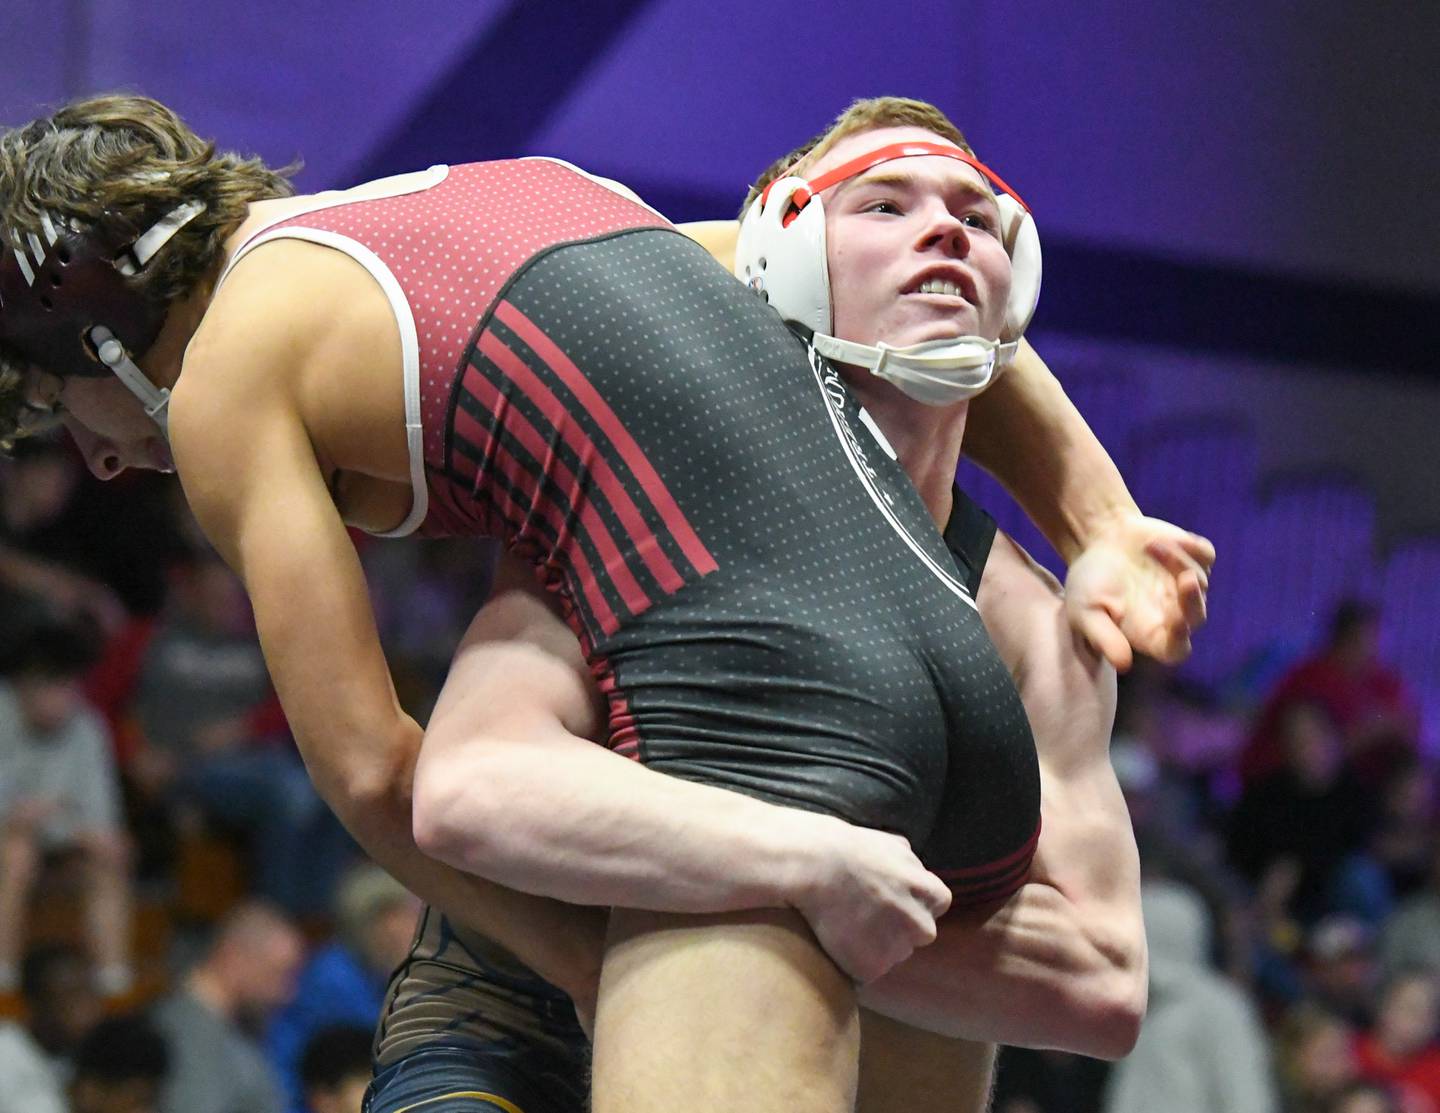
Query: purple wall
[
  {"x": 1232, "y": 133},
  {"x": 1283, "y": 136}
]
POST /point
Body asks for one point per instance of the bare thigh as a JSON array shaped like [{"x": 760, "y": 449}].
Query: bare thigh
[
  {"x": 909, "y": 1070},
  {"x": 737, "y": 1011}
]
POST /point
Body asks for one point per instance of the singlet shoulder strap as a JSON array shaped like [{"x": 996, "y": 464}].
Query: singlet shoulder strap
[{"x": 396, "y": 186}]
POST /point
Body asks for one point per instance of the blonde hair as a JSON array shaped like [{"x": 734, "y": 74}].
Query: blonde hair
[
  {"x": 131, "y": 160},
  {"x": 869, "y": 114}
]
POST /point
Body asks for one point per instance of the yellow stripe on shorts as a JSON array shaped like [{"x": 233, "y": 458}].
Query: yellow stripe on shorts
[{"x": 494, "y": 1099}]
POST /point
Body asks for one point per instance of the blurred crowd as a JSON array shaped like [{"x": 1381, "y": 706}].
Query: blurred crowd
[{"x": 1286, "y": 821}]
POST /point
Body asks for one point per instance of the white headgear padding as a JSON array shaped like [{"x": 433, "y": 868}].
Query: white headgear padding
[{"x": 781, "y": 254}]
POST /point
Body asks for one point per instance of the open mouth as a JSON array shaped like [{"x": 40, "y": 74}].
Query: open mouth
[{"x": 949, "y": 283}]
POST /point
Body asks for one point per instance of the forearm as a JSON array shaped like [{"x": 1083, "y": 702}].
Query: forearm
[
  {"x": 1026, "y": 432},
  {"x": 1062, "y": 964},
  {"x": 562, "y": 943},
  {"x": 527, "y": 804},
  {"x": 1034, "y": 973}
]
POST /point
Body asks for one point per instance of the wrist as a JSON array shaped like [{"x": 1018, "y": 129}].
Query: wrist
[
  {"x": 803, "y": 857},
  {"x": 1097, "y": 521}
]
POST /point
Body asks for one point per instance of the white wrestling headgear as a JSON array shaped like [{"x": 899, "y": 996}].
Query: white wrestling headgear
[{"x": 781, "y": 255}]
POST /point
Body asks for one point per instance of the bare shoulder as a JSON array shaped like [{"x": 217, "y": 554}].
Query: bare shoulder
[
  {"x": 284, "y": 302},
  {"x": 719, "y": 237},
  {"x": 300, "y": 334}
]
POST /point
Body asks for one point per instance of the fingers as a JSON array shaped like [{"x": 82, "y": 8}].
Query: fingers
[
  {"x": 1192, "y": 588},
  {"x": 1176, "y": 649},
  {"x": 936, "y": 896},
  {"x": 1106, "y": 638},
  {"x": 1202, "y": 549}
]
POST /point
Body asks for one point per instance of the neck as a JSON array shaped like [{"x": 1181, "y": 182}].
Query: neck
[
  {"x": 926, "y": 439},
  {"x": 162, "y": 362}
]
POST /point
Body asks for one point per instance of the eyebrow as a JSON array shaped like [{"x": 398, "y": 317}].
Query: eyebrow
[{"x": 898, "y": 177}]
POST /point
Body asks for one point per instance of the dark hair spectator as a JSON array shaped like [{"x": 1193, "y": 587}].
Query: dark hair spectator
[
  {"x": 1305, "y": 825},
  {"x": 120, "y": 1068},
  {"x": 335, "y": 1069}
]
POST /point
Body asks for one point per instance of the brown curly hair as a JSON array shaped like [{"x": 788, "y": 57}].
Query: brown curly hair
[
  {"x": 132, "y": 158},
  {"x": 868, "y": 114}
]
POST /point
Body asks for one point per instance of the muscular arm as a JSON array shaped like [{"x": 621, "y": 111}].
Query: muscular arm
[
  {"x": 1061, "y": 964},
  {"x": 509, "y": 786},
  {"x": 250, "y": 474}
]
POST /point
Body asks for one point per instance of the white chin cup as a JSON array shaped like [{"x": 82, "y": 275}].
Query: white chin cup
[{"x": 934, "y": 372}]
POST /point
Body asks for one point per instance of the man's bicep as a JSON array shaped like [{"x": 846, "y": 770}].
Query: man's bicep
[{"x": 519, "y": 658}]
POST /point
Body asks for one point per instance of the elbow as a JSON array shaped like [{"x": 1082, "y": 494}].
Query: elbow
[
  {"x": 1115, "y": 1015},
  {"x": 433, "y": 826},
  {"x": 1116, "y": 999},
  {"x": 368, "y": 787},
  {"x": 452, "y": 813}
]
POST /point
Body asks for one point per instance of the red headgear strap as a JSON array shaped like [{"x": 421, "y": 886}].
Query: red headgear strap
[{"x": 802, "y": 196}]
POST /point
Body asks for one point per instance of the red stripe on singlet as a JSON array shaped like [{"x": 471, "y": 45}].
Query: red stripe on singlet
[
  {"x": 591, "y": 456},
  {"x": 999, "y": 864},
  {"x": 634, "y": 457},
  {"x": 479, "y": 438},
  {"x": 624, "y": 737},
  {"x": 511, "y": 513},
  {"x": 536, "y": 443},
  {"x": 994, "y": 881},
  {"x": 646, "y": 544}
]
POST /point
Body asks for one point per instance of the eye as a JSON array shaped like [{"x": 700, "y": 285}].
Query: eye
[
  {"x": 884, "y": 206},
  {"x": 981, "y": 222}
]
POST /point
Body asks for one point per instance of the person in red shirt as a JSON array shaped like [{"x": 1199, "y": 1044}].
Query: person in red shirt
[
  {"x": 1368, "y": 699},
  {"x": 1400, "y": 1050}
]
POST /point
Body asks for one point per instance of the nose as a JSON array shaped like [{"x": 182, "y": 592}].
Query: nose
[
  {"x": 944, "y": 230},
  {"x": 102, "y": 456},
  {"x": 104, "y": 461}
]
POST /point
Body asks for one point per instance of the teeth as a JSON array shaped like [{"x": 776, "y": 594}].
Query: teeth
[{"x": 940, "y": 286}]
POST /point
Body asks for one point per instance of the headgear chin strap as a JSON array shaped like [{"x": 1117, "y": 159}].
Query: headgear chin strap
[
  {"x": 781, "y": 254},
  {"x": 68, "y": 305},
  {"x": 113, "y": 355}
]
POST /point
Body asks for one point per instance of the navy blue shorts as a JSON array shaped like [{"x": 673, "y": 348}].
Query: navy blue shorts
[{"x": 501, "y": 1078}]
